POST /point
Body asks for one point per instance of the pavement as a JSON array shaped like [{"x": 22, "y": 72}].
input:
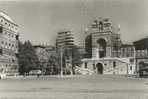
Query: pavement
[
  {"x": 19, "y": 77},
  {"x": 75, "y": 87}
]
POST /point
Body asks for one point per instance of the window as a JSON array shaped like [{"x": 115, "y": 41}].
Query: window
[
  {"x": 5, "y": 43},
  {"x": 114, "y": 64},
  {"x": 130, "y": 67},
  {"x": 85, "y": 65},
  {"x": 1, "y": 52},
  {"x": 17, "y": 37},
  {"x": 2, "y": 42},
  {"x": 1, "y": 29},
  {"x": 131, "y": 61},
  {"x": 94, "y": 67}
]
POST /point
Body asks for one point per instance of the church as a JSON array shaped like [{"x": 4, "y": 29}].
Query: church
[{"x": 105, "y": 52}]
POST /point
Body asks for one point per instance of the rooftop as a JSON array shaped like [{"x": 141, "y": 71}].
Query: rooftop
[{"x": 3, "y": 14}]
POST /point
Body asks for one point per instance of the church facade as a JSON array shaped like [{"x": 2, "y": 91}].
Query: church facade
[{"x": 105, "y": 53}]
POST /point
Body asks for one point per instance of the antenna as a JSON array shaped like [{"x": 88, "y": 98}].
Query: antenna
[
  {"x": 118, "y": 40},
  {"x": 118, "y": 28}
]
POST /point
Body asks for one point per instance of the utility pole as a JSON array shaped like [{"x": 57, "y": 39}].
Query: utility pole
[
  {"x": 61, "y": 72},
  {"x": 118, "y": 41},
  {"x": 71, "y": 61}
]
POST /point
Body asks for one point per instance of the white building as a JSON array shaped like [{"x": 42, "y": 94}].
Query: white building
[
  {"x": 105, "y": 51},
  {"x": 8, "y": 44}
]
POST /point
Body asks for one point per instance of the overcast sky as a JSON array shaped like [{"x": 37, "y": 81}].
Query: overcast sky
[{"x": 39, "y": 21}]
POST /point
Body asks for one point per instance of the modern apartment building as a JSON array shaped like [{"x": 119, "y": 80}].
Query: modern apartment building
[
  {"x": 64, "y": 44},
  {"x": 65, "y": 40}
]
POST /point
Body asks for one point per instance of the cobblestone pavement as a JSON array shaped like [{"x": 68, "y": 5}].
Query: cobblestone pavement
[{"x": 74, "y": 87}]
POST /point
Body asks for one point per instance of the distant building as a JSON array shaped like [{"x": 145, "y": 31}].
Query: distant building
[
  {"x": 105, "y": 53},
  {"x": 65, "y": 40},
  {"x": 141, "y": 48},
  {"x": 127, "y": 50},
  {"x": 44, "y": 52},
  {"x": 8, "y": 44},
  {"x": 51, "y": 50},
  {"x": 64, "y": 44},
  {"x": 81, "y": 50}
]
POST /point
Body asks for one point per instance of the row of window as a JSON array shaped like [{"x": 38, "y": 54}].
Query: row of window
[
  {"x": 6, "y": 23},
  {"x": 4, "y": 52},
  {"x": 9, "y": 34},
  {"x": 8, "y": 44},
  {"x": 114, "y": 65}
]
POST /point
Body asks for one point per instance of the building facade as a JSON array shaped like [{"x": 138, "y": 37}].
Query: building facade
[
  {"x": 105, "y": 53},
  {"x": 44, "y": 52},
  {"x": 64, "y": 44},
  {"x": 8, "y": 44},
  {"x": 65, "y": 40},
  {"x": 141, "y": 56}
]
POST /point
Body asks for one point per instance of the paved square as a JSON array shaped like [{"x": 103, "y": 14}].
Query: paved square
[{"x": 79, "y": 87}]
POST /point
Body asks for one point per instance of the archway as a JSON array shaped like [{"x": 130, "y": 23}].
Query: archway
[
  {"x": 99, "y": 67},
  {"x": 102, "y": 47}
]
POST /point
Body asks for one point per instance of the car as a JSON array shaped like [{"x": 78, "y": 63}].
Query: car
[
  {"x": 35, "y": 72},
  {"x": 2, "y": 75}
]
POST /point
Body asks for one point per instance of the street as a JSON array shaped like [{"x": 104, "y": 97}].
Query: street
[{"x": 77, "y": 87}]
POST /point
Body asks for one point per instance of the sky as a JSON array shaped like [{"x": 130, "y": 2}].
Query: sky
[{"x": 40, "y": 20}]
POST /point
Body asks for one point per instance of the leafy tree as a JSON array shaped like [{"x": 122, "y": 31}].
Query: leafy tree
[
  {"x": 76, "y": 56},
  {"x": 53, "y": 65},
  {"x": 27, "y": 58}
]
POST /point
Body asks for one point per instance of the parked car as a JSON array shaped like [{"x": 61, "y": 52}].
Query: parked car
[
  {"x": 35, "y": 72},
  {"x": 2, "y": 75}
]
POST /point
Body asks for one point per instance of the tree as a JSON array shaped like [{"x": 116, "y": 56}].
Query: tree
[
  {"x": 53, "y": 65},
  {"x": 27, "y": 58},
  {"x": 76, "y": 56}
]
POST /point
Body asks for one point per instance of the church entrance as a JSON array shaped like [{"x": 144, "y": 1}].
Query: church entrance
[{"x": 99, "y": 67}]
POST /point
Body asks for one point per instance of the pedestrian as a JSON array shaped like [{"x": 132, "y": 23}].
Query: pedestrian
[
  {"x": 24, "y": 74},
  {"x": 38, "y": 75}
]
